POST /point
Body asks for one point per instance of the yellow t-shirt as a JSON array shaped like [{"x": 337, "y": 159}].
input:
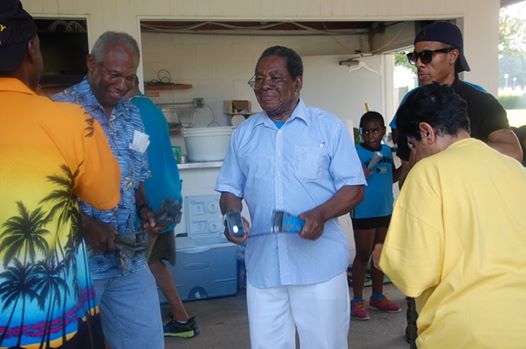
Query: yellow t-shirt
[
  {"x": 457, "y": 242},
  {"x": 50, "y": 155}
]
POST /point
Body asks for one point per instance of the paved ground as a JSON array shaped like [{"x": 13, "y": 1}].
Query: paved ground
[{"x": 223, "y": 324}]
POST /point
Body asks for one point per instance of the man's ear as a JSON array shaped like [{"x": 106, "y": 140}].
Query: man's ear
[
  {"x": 298, "y": 83},
  {"x": 90, "y": 62},
  {"x": 33, "y": 49},
  {"x": 427, "y": 133},
  {"x": 453, "y": 56}
]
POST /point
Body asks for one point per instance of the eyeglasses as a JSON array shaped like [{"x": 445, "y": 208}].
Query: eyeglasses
[
  {"x": 114, "y": 75},
  {"x": 426, "y": 56},
  {"x": 257, "y": 82}
]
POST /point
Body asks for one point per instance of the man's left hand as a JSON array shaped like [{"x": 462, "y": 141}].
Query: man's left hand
[
  {"x": 148, "y": 222},
  {"x": 314, "y": 223}
]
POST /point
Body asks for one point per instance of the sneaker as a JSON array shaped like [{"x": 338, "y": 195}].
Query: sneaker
[
  {"x": 174, "y": 328},
  {"x": 358, "y": 310},
  {"x": 384, "y": 304}
]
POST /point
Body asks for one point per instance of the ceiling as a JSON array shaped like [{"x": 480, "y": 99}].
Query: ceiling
[
  {"x": 370, "y": 30},
  {"x": 276, "y": 27},
  {"x": 265, "y": 28},
  {"x": 504, "y": 3}
]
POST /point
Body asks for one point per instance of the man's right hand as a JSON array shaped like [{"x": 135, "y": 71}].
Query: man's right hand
[
  {"x": 239, "y": 239},
  {"x": 230, "y": 202},
  {"x": 99, "y": 236}
]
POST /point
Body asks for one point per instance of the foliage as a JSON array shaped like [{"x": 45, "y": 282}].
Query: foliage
[
  {"x": 512, "y": 48},
  {"x": 512, "y": 40},
  {"x": 401, "y": 60},
  {"x": 513, "y": 101}
]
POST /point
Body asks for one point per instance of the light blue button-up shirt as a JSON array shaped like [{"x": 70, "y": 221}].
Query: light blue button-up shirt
[
  {"x": 294, "y": 168},
  {"x": 119, "y": 129}
]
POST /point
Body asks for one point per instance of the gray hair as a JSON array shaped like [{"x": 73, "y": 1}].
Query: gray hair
[{"x": 113, "y": 38}]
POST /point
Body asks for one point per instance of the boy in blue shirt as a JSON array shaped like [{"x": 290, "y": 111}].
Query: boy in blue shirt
[{"x": 370, "y": 219}]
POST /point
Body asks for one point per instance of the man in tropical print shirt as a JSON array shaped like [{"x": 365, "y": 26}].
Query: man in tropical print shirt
[{"x": 51, "y": 155}]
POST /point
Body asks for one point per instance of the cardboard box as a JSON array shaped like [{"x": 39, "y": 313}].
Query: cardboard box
[
  {"x": 237, "y": 106},
  {"x": 206, "y": 262}
]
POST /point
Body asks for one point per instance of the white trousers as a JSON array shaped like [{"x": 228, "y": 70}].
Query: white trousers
[{"x": 320, "y": 313}]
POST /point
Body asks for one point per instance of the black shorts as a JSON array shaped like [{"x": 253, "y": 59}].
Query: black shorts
[
  {"x": 89, "y": 335},
  {"x": 371, "y": 223},
  {"x": 162, "y": 247}
]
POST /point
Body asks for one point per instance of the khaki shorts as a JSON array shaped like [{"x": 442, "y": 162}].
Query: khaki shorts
[{"x": 162, "y": 247}]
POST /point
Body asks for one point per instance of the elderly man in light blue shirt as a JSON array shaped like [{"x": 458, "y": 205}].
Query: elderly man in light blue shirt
[{"x": 301, "y": 160}]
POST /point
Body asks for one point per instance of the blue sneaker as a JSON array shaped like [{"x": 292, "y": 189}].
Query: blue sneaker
[{"x": 174, "y": 328}]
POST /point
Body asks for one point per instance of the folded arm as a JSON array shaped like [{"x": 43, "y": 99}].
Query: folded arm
[{"x": 506, "y": 142}]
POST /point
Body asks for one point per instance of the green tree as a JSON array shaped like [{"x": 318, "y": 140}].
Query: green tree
[
  {"x": 512, "y": 34},
  {"x": 401, "y": 60},
  {"x": 512, "y": 47}
]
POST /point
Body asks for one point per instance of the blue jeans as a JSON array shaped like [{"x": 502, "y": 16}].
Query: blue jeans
[{"x": 130, "y": 311}]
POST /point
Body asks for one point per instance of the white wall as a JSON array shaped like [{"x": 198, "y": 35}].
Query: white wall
[
  {"x": 480, "y": 28},
  {"x": 480, "y": 18},
  {"x": 219, "y": 67},
  {"x": 341, "y": 91}
]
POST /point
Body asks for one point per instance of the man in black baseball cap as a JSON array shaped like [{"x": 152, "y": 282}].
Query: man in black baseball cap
[
  {"x": 46, "y": 147},
  {"x": 448, "y": 34},
  {"x": 17, "y": 27},
  {"x": 20, "y": 54},
  {"x": 439, "y": 57},
  {"x": 439, "y": 53}
]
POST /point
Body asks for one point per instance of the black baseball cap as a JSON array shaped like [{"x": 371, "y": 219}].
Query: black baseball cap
[
  {"x": 17, "y": 27},
  {"x": 447, "y": 33}
]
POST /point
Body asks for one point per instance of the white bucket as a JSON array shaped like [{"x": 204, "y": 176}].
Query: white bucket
[{"x": 207, "y": 143}]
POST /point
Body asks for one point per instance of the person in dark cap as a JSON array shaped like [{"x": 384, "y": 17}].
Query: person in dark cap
[
  {"x": 444, "y": 33},
  {"x": 52, "y": 155},
  {"x": 18, "y": 38},
  {"x": 439, "y": 57}
]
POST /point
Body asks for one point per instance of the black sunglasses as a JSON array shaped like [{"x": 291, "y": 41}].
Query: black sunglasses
[{"x": 426, "y": 56}]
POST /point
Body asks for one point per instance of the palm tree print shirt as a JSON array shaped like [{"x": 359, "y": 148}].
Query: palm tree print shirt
[{"x": 51, "y": 155}]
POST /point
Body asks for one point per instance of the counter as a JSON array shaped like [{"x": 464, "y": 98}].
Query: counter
[{"x": 198, "y": 165}]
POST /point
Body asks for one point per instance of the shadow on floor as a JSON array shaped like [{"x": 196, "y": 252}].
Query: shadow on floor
[{"x": 224, "y": 325}]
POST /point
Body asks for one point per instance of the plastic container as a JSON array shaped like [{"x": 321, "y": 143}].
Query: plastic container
[
  {"x": 206, "y": 264},
  {"x": 207, "y": 143},
  {"x": 205, "y": 268}
]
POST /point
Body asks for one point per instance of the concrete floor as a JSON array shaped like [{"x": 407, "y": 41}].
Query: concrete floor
[{"x": 224, "y": 325}]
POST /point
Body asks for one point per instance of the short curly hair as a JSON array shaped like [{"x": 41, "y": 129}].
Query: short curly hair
[
  {"x": 437, "y": 105},
  {"x": 294, "y": 61}
]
